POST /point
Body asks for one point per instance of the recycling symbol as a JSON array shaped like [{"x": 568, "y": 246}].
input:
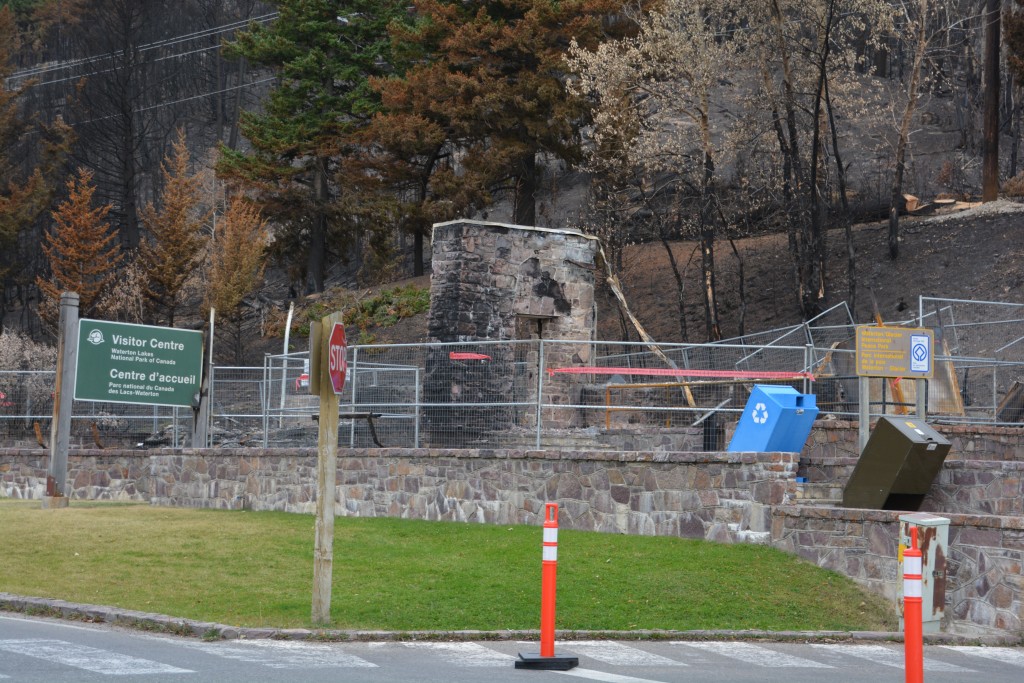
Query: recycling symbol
[{"x": 760, "y": 414}]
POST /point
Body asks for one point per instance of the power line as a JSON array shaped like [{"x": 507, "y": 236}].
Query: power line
[
  {"x": 184, "y": 99},
  {"x": 207, "y": 94},
  {"x": 188, "y": 37},
  {"x": 111, "y": 69}
]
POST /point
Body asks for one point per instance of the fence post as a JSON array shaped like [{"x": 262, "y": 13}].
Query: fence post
[
  {"x": 208, "y": 371},
  {"x": 265, "y": 397},
  {"x": 352, "y": 381},
  {"x": 416, "y": 408},
  {"x": 540, "y": 389},
  {"x": 808, "y": 366}
]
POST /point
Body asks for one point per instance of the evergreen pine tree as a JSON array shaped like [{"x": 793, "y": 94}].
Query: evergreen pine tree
[
  {"x": 324, "y": 53},
  {"x": 174, "y": 248},
  {"x": 236, "y": 264},
  {"x": 491, "y": 74},
  {"x": 81, "y": 249}
]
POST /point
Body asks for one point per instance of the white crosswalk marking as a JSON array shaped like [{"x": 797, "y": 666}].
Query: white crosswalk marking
[
  {"x": 1007, "y": 655},
  {"x": 465, "y": 654},
  {"x": 614, "y": 653},
  {"x": 87, "y": 658},
  {"x": 284, "y": 654},
  {"x": 754, "y": 654},
  {"x": 603, "y": 676},
  {"x": 886, "y": 656}
]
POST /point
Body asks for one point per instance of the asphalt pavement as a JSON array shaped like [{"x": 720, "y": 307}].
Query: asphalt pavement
[{"x": 60, "y": 642}]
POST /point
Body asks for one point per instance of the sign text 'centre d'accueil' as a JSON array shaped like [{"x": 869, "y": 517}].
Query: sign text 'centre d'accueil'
[{"x": 126, "y": 363}]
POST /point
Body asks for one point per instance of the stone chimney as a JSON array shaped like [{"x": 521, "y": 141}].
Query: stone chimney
[{"x": 498, "y": 282}]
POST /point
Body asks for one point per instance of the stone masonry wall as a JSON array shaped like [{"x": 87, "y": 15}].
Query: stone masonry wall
[
  {"x": 832, "y": 439},
  {"x": 487, "y": 279},
  {"x": 983, "y": 473},
  {"x": 486, "y": 274},
  {"x": 718, "y": 496},
  {"x": 985, "y": 584},
  {"x": 968, "y": 487},
  {"x": 96, "y": 475}
]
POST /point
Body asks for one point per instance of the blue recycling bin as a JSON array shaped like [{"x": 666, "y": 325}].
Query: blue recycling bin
[{"x": 777, "y": 418}]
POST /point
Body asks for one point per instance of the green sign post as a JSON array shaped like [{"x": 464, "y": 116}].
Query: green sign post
[{"x": 126, "y": 363}]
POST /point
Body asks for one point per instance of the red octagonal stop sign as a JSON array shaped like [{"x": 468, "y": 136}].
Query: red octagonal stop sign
[{"x": 337, "y": 366}]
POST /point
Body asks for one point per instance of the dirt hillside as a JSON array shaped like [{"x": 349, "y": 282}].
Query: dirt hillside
[
  {"x": 971, "y": 254},
  {"x": 975, "y": 254}
]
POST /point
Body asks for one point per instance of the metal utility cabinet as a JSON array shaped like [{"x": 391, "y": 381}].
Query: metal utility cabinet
[
  {"x": 933, "y": 541},
  {"x": 897, "y": 467}
]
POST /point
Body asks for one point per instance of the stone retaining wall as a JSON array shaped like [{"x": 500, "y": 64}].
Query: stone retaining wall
[
  {"x": 92, "y": 475},
  {"x": 718, "y": 496},
  {"x": 839, "y": 439},
  {"x": 985, "y": 586},
  {"x": 966, "y": 487}
]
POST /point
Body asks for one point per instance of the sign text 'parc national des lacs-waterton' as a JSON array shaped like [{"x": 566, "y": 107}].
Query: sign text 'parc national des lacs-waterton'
[{"x": 126, "y": 363}]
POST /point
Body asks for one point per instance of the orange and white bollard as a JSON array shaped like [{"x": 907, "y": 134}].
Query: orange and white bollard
[
  {"x": 913, "y": 638},
  {"x": 546, "y": 658}
]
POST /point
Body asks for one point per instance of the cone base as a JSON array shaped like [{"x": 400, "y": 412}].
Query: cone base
[{"x": 533, "y": 660}]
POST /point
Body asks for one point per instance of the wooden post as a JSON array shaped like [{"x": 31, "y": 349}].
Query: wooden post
[
  {"x": 326, "y": 476},
  {"x": 63, "y": 398}
]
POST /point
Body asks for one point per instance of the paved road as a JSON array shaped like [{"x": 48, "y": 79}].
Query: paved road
[{"x": 37, "y": 650}]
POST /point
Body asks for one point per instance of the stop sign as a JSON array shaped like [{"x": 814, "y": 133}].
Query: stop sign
[{"x": 336, "y": 364}]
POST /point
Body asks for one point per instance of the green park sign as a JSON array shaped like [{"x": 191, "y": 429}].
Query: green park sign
[{"x": 125, "y": 363}]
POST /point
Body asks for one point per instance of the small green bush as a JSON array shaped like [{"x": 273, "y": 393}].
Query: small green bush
[{"x": 388, "y": 307}]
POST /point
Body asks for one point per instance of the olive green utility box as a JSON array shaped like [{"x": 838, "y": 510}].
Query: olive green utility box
[{"x": 899, "y": 463}]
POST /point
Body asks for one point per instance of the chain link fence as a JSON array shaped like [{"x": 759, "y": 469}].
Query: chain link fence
[
  {"x": 26, "y": 413},
  {"x": 975, "y": 329},
  {"x": 544, "y": 394},
  {"x": 982, "y": 343}
]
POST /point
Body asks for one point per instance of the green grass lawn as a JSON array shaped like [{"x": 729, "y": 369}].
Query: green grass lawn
[{"x": 256, "y": 569}]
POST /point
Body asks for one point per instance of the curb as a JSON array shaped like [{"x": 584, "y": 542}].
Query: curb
[{"x": 162, "y": 623}]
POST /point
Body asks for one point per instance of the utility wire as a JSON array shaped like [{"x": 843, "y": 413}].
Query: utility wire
[
  {"x": 111, "y": 69},
  {"x": 188, "y": 37},
  {"x": 183, "y": 99}
]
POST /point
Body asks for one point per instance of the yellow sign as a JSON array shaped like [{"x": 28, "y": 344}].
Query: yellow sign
[{"x": 895, "y": 352}]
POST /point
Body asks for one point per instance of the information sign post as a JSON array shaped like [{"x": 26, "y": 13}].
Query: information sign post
[
  {"x": 60, "y": 427},
  {"x": 126, "y": 363},
  {"x": 897, "y": 353}
]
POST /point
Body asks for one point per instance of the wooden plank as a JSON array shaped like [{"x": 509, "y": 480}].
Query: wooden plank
[{"x": 1011, "y": 408}]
